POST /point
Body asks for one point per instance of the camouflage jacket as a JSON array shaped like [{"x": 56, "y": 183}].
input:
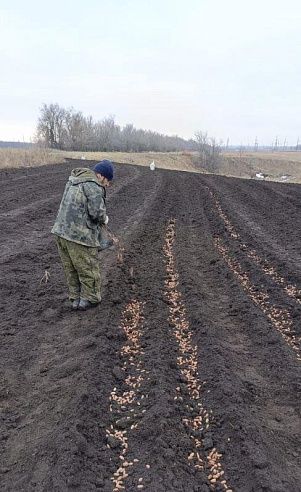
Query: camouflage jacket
[{"x": 82, "y": 209}]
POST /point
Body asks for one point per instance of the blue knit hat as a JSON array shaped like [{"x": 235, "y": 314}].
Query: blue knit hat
[{"x": 105, "y": 168}]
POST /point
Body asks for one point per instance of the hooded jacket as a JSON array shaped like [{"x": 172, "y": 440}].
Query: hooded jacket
[{"x": 82, "y": 210}]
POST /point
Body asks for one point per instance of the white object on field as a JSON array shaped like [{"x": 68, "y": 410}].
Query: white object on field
[
  {"x": 83, "y": 157},
  {"x": 152, "y": 166},
  {"x": 286, "y": 177}
]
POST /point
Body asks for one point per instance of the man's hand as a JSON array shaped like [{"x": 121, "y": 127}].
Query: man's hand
[{"x": 106, "y": 220}]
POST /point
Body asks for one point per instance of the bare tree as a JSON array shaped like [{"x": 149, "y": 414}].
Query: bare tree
[
  {"x": 209, "y": 150},
  {"x": 127, "y": 137},
  {"x": 105, "y": 130},
  {"x": 51, "y": 124},
  {"x": 74, "y": 130}
]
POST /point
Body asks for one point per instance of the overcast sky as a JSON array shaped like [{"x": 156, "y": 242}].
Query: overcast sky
[{"x": 231, "y": 68}]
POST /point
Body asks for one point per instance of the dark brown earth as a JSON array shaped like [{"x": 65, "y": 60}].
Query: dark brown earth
[{"x": 187, "y": 376}]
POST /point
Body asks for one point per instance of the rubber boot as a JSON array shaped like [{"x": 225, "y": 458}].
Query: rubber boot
[{"x": 84, "y": 304}]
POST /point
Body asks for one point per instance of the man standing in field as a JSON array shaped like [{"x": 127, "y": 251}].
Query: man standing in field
[{"x": 81, "y": 215}]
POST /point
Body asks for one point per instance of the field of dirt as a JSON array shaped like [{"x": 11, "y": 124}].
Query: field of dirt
[{"x": 186, "y": 378}]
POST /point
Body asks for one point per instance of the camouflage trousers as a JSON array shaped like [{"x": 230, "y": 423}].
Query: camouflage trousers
[{"x": 82, "y": 269}]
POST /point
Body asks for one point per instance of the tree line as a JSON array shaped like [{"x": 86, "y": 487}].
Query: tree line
[{"x": 69, "y": 129}]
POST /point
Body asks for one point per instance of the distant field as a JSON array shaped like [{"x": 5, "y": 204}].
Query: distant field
[{"x": 278, "y": 166}]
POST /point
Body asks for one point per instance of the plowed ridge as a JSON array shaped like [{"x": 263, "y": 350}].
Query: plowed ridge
[
  {"x": 268, "y": 269},
  {"x": 187, "y": 377},
  {"x": 187, "y": 362},
  {"x": 127, "y": 404},
  {"x": 281, "y": 318}
]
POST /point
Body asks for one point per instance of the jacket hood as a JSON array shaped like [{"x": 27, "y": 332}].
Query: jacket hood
[{"x": 81, "y": 175}]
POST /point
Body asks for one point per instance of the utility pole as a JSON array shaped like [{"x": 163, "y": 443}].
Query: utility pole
[
  {"x": 256, "y": 144},
  {"x": 297, "y": 146},
  {"x": 240, "y": 150}
]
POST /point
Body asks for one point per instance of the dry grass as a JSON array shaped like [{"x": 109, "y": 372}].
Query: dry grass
[
  {"x": 242, "y": 165},
  {"x": 10, "y": 158},
  {"x": 37, "y": 157},
  {"x": 274, "y": 164},
  {"x": 179, "y": 161}
]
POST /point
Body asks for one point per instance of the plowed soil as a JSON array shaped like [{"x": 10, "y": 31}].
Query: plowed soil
[{"x": 187, "y": 376}]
